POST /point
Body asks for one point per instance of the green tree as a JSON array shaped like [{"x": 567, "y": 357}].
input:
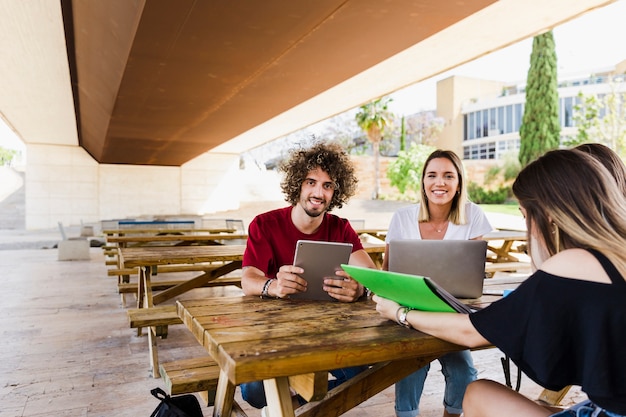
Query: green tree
[
  {"x": 405, "y": 171},
  {"x": 403, "y": 134},
  {"x": 540, "y": 130},
  {"x": 6, "y": 156},
  {"x": 374, "y": 119},
  {"x": 602, "y": 118}
]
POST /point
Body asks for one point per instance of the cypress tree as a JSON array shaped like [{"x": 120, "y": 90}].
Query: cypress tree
[{"x": 540, "y": 129}]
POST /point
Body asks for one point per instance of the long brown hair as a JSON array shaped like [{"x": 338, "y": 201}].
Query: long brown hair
[
  {"x": 610, "y": 159},
  {"x": 573, "y": 192}
]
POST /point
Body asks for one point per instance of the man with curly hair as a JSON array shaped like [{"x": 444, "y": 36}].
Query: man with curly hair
[{"x": 315, "y": 181}]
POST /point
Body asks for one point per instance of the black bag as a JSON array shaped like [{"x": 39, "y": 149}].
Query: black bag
[{"x": 180, "y": 406}]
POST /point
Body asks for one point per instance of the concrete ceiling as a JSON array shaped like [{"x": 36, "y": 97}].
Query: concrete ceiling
[{"x": 158, "y": 82}]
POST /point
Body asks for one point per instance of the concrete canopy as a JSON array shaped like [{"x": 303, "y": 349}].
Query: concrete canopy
[{"x": 160, "y": 82}]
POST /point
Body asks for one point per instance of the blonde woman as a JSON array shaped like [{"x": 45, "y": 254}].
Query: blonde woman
[
  {"x": 443, "y": 213},
  {"x": 564, "y": 325}
]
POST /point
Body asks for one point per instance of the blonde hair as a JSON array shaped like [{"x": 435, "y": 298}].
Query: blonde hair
[
  {"x": 457, "y": 212},
  {"x": 574, "y": 192},
  {"x": 609, "y": 158}
]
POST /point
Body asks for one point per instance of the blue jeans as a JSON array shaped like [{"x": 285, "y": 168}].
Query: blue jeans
[
  {"x": 585, "y": 409},
  {"x": 254, "y": 392},
  {"x": 458, "y": 371}
]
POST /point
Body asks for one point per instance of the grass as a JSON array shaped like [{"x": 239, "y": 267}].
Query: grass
[{"x": 512, "y": 209}]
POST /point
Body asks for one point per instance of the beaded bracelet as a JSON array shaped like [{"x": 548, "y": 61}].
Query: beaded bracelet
[{"x": 265, "y": 292}]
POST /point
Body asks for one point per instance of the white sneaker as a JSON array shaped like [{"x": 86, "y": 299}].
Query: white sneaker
[{"x": 264, "y": 412}]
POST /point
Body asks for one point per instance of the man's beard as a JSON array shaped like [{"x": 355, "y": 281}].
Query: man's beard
[
  {"x": 311, "y": 213},
  {"x": 314, "y": 212}
]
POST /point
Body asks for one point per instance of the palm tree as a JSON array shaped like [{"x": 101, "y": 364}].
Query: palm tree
[{"x": 373, "y": 118}]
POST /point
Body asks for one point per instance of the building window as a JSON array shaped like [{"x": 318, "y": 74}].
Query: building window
[{"x": 509, "y": 119}]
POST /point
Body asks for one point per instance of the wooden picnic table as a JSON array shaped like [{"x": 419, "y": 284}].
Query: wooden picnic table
[
  {"x": 296, "y": 342},
  {"x": 149, "y": 257},
  {"x": 377, "y": 233},
  {"x": 164, "y": 231},
  {"x": 376, "y": 251},
  {"x": 501, "y": 243},
  {"x": 174, "y": 239}
]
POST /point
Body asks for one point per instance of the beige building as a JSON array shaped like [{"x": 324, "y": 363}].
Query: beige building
[{"x": 482, "y": 117}]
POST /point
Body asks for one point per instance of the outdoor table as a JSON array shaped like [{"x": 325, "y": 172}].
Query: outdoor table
[
  {"x": 296, "y": 342},
  {"x": 376, "y": 251},
  {"x": 149, "y": 257},
  {"x": 506, "y": 238},
  {"x": 164, "y": 231},
  {"x": 174, "y": 239},
  {"x": 377, "y": 233}
]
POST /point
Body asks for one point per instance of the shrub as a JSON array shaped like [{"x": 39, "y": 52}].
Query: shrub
[{"x": 480, "y": 195}]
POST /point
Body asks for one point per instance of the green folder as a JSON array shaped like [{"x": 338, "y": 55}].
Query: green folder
[{"x": 414, "y": 291}]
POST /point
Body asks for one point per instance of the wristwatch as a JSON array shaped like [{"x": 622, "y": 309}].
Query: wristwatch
[{"x": 401, "y": 315}]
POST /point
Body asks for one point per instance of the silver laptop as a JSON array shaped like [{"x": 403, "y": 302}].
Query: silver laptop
[{"x": 456, "y": 265}]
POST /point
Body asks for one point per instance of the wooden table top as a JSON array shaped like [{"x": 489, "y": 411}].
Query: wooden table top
[
  {"x": 198, "y": 237},
  {"x": 505, "y": 235},
  {"x": 164, "y": 255},
  {"x": 254, "y": 339},
  {"x": 167, "y": 255},
  {"x": 160, "y": 231},
  {"x": 285, "y": 342}
]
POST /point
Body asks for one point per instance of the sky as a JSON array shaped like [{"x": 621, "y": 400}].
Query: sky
[{"x": 592, "y": 42}]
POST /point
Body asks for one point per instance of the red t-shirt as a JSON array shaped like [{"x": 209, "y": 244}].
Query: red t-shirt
[{"x": 272, "y": 239}]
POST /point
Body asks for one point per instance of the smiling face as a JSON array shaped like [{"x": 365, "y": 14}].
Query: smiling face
[
  {"x": 316, "y": 192},
  {"x": 441, "y": 181}
]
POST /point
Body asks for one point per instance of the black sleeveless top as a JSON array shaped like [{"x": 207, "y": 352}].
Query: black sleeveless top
[{"x": 563, "y": 331}]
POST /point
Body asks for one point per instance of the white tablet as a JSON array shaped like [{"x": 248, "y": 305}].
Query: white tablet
[{"x": 319, "y": 260}]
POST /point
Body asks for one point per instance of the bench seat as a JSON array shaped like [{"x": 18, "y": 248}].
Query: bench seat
[
  {"x": 156, "y": 319},
  {"x": 131, "y": 287},
  {"x": 200, "y": 375},
  {"x": 190, "y": 375},
  {"x": 112, "y": 272},
  {"x": 153, "y": 316}
]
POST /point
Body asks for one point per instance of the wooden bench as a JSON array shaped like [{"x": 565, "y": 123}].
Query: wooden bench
[
  {"x": 190, "y": 375},
  {"x": 112, "y": 272},
  {"x": 157, "y": 319},
  {"x": 200, "y": 375},
  {"x": 124, "y": 288},
  {"x": 131, "y": 287}
]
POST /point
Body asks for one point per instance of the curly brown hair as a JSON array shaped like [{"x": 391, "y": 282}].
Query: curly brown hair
[{"x": 332, "y": 159}]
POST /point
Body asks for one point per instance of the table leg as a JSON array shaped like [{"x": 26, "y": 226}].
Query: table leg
[
  {"x": 363, "y": 387},
  {"x": 195, "y": 282},
  {"x": 278, "y": 397},
  {"x": 143, "y": 282},
  {"x": 503, "y": 252},
  {"x": 224, "y": 397}
]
